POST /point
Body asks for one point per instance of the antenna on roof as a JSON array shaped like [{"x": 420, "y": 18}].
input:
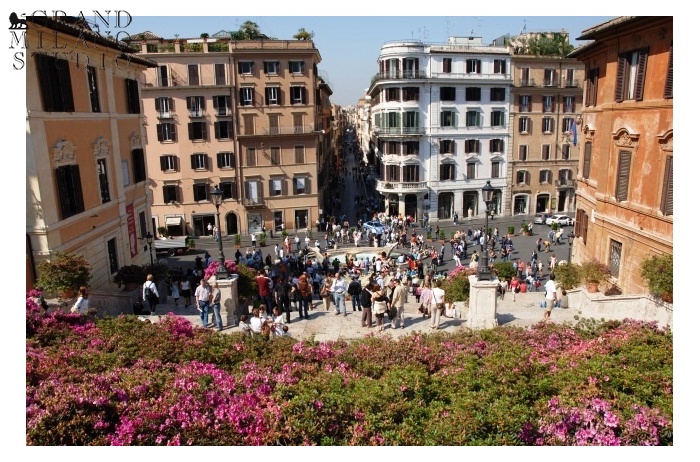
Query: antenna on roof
[{"x": 524, "y": 26}]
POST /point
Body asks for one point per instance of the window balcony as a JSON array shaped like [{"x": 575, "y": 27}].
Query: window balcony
[
  {"x": 197, "y": 113},
  {"x": 526, "y": 83},
  {"x": 166, "y": 115},
  {"x": 399, "y": 131},
  {"x": 256, "y": 203},
  {"x": 402, "y": 187},
  {"x": 223, "y": 112},
  {"x": 565, "y": 184},
  {"x": 571, "y": 83},
  {"x": 395, "y": 75},
  {"x": 289, "y": 130}
]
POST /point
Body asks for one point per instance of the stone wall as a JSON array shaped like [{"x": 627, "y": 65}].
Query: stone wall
[{"x": 619, "y": 307}]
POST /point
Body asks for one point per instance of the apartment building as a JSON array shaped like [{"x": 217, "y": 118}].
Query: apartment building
[
  {"x": 87, "y": 187},
  {"x": 625, "y": 177},
  {"x": 440, "y": 116},
  {"x": 251, "y": 117},
  {"x": 547, "y": 102}
]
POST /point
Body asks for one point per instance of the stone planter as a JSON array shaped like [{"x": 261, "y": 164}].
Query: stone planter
[{"x": 592, "y": 287}]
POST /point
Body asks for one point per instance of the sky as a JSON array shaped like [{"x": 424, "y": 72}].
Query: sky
[
  {"x": 349, "y": 45},
  {"x": 349, "y": 36}
]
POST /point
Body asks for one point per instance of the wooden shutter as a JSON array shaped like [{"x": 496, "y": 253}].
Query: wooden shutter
[
  {"x": 159, "y": 131},
  {"x": 193, "y": 74},
  {"x": 620, "y": 79},
  {"x": 190, "y": 130},
  {"x": 66, "y": 88},
  {"x": 668, "y": 87},
  {"x": 220, "y": 72},
  {"x": 641, "y": 72},
  {"x": 587, "y": 159},
  {"x": 193, "y": 162},
  {"x": 206, "y": 162},
  {"x": 174, "y": 132},
  {"x": 163, "y": 163},
  {"x": 267, "y": 96},
  {"x": 478, "y": 66},
  {"x": 592, "y": 90},
  {"x": 623, "y": 175},
  {"x": 667, "y": 196}
]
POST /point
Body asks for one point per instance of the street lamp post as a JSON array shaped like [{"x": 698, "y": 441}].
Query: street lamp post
[
  {"x": 484, "y": 270},
  {"x": 217, "y": 197},
  {"x": 570, "y": 237},
  {"x": 149, "y": 241}
]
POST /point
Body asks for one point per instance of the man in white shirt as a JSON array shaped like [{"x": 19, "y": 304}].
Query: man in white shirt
[
  {"x": 550, "y": 289},
  {"x": 338, "y": 289}
]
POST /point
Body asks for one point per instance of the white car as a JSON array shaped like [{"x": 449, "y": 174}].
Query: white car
[{"x": 563, "y": 220}]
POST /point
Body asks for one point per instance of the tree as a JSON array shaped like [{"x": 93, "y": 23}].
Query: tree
[
  {"x": 302, "y": 34},
  {"x": 249, "y": 30},
  {"x": 204, "y": 35}
]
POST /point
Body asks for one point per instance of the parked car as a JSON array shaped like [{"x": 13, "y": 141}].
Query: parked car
[
  {"x": 541, "y": 218},
  {"x": 373, "y": 226},
  {"x": 563, "y": 220}
]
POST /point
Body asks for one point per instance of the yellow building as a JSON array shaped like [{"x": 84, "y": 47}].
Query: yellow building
[
  {"x": 87, "y": 189},
  {"x": 547, "y": 100},
  {"x": 252, "y": 117},
  {"x": 625, "y": 176}
]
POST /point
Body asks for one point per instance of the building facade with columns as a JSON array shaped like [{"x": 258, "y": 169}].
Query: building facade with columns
[
  {"x": 625, "y": 176},
  {"x": 87, "y": 188},
  {"x": 252, "y": 117},
  {"x": 440, "y": 126}
]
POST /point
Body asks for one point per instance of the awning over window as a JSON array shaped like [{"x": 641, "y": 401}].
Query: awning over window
[{"x": 173, "y": 221}]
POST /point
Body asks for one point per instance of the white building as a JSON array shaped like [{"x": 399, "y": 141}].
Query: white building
[{"x": 440, "y": 126}]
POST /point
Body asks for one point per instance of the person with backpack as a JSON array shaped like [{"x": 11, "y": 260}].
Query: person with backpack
[
  {"x": 150, "y": 294},
  {"x": 366, "y": 303}
]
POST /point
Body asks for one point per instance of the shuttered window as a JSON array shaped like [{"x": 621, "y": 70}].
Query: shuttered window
[
  {"x": 193, "y": 74},
  {"x": 447, "y": 65},
  {"x": 220, "y": 74},
  {"x": 623, "y": 175},
  {"x": 631, "y": 70},
  {"x": 667, "y": 194},
  {"x": 55, "y": 83},
  {"x": 587, "y": 159},
  {"x": 592, "y": 87},
  {"x": 70, "y": 192},
  {"x": 668, "y": 87}
]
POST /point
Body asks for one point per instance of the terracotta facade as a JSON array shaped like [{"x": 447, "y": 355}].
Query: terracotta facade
[{"x": 625, "y": 176}]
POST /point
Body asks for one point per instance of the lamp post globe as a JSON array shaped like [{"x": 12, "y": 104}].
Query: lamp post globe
[
  {"x": 149, "y": 241},
  {"x": 217, "y": 197},
  {"x": 484, "y": 270}
]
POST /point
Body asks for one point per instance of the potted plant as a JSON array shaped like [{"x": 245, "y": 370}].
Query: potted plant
[
  {"x": 593, "y": 272},
  {"x": 284, "y": 234},
  {"x": 429, "y": 236},
  {"x": 63, "y": 274},
  {"x": 237, "y": 240},
  {"x": 261, "y": 239},
  {"x": 131, "y": 276},
  {"x": 525, "y": 229},
  {"x": 190, "y": 242},
  {"x": 658, "y": 272},
  {"x": 442, "y": 236},
  {"x": 310, "y": 233},
  {"x": 163, "y": 231},
  {"x": 511, "y": 231}
]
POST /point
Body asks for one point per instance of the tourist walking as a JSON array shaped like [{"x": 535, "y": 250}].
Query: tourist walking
[
  {"x": 150, "y": 294},
  {"x": 366, "y": 302},
  {"x": 550, "y": 295},
  {"x": 338, "y": 289},
  {"x": 202, "y": 296},
  {"x": 438, "y": 304},
  {"x": 398, "y": 301},
  {"x": 379, "y": 305}
]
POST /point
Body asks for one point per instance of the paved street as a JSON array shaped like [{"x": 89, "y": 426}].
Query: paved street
[{"x": 322, "y": 325}]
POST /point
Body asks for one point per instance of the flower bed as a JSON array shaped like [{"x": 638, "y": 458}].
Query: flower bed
[{"x": 122, "y": 381}]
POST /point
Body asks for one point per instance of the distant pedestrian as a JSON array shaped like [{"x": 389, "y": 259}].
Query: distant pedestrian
[
  {"x": 202, "y": 295},
  {"x": 210, "y": 228},
  {"x": 150, "y": 294},
  {"x": 254, "y": 240},
  {"x": 215, "y": 303},
  {"x": 550, "y": 289}
]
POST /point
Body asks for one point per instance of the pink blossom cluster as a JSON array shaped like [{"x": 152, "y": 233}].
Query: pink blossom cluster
[{"x": 214, "y": 266}]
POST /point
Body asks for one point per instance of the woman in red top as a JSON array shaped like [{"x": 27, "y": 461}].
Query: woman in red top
[{"x": 514, "y": 284}]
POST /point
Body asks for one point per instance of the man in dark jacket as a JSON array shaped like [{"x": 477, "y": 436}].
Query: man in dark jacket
[
  {"x": 366, "y": 303},
  {"x": 281, "y": 292},
  {"x": 354, "y": 289}
]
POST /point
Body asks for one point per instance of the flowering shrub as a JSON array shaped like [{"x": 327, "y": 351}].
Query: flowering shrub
[
  {"x": 595, "y": 423},
  {"x": 121, "y": 381},
  {"x": 63, "y": 271},
  {"x": 457, "y": 284},
  {"x": 214, "y": 266},
  {"x": 658, "y": 272}
]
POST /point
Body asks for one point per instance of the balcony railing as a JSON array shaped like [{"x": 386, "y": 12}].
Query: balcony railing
[
  {"x": 399, "y": 75},
  {"x": 254, "y": 203},
  {"x": 399, "y": 130},
  {"x": 564, "y": 183},
  {"x": 288, "y": 130},
  {"x": 570, "y": 83},
  {"x": 403, "y": 187},
  {"x": 223, "y": 111},
  {"x": 527, "y": 82},
  {"x": 165, "y": 115},
  {"x": 196, "y": 113}
]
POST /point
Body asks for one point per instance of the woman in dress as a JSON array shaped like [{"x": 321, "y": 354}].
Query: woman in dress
[
  {"x": 379, "y": 305},
  {"x": 186, "y": 291},
  {"x": 278, "y": 322},
  {"x": 326, "y": 293},
  {"x": 175, "y": 290}
]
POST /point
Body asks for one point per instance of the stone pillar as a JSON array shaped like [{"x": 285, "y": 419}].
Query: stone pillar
[
  {"x": 402, "y": 205},
  {"x": 482, "y": 304},
  {"x": 230, "y": 311}
]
